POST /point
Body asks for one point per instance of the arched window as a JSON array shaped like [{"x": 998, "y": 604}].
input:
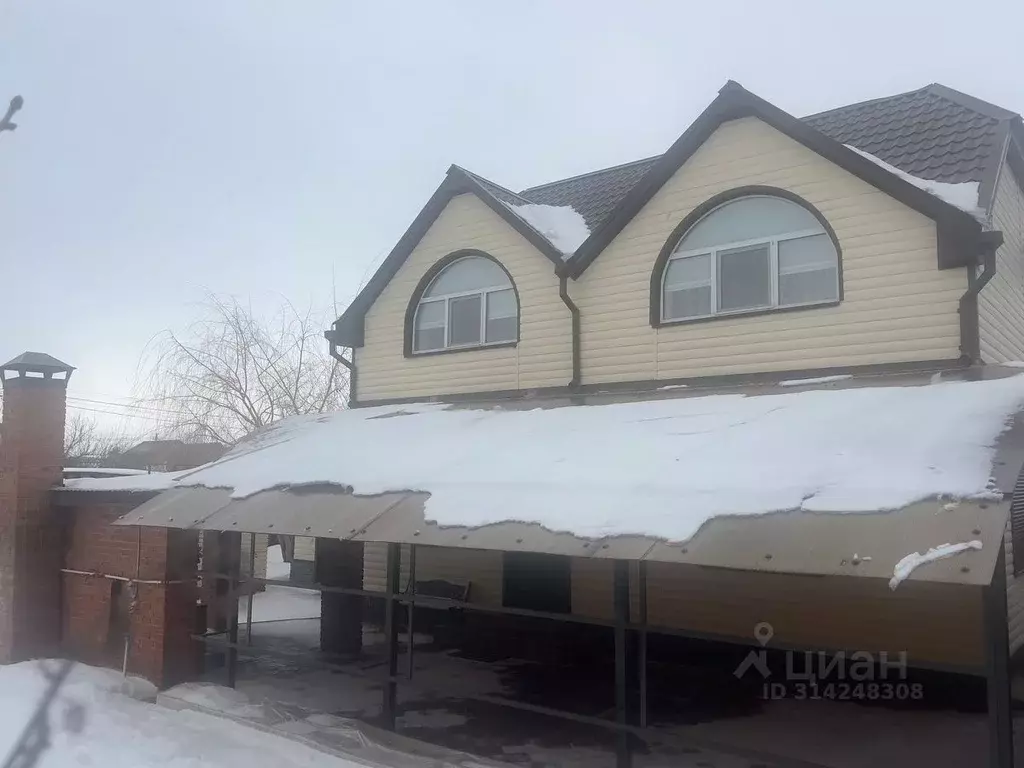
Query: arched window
[
  {"x": 470, "y": 302},
  {"x": 751, "y": 253}
]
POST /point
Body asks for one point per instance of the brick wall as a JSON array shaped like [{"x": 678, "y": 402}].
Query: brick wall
[{"x": 97, "y": 611}]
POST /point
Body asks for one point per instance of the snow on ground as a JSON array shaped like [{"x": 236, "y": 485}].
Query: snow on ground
[
  {"x": 673, "y": 463},
  {"x": 122, "y": 732},
  {"x": 561, "y": 224},
  {"x": 907, "y": 564},
  {"x": 277, "y": 568},
  {"x": 963, "y": 195},
  {"x": 281, "y": 603},
  {"x": 815, "y": 380}
]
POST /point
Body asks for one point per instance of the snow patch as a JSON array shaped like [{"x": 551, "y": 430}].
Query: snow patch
[
  {"x": 277, "y": 568},
  {"x": 816, "y": 380},
  {"x": 118, "y": 731},
  {"x": 963, "y": 195},
  {"x": 561, "y": 224},
  {"x": 146, "y": 481},
  {"x": 907, "y": 565},
  {"x": 660, "y": 467}
]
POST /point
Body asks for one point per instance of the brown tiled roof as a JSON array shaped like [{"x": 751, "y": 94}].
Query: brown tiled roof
[
  {"x": 593, "y": 194},
  {"x": 933, "y": 133}
]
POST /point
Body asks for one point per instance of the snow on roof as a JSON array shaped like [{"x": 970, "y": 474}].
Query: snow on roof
[
  {"x": 814, "y": 380},
  {"x": 142, "y": 481},
  {"x": 103, "y": 471},
  {"x": 561, "y": 224},
  {"x": 907, "y": 565},
  {"x": 963, "y": 195},
  {"x": 659, "y": 467}
]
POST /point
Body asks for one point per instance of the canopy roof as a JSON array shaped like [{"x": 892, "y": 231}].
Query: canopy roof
[{"x": 811, "y": 475}]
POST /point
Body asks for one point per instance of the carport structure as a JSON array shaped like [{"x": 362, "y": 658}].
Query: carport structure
[{"x": 819, "y": 571}]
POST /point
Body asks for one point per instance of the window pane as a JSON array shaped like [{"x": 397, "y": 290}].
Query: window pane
[
  {"x": 430, "y": 314},
  {"x": 806, "y": 253},
  {"x": 688, "y": 272},
  {"x": 501, "y": 329},
  {"x": 502, "y": 316},
  {"x": 464, "y": 320},
  {"x": 687, "y": 302},
  {"x": 429, "y": 332},
  {"x": 744, "y": 278},
  {"x": 749, "y": 218},
  {"x": 428, "y": 339},
  {"x": 469, "y": 274},
  {"x": 501, "y": 304},
  {"x": 805, "y": 287}
]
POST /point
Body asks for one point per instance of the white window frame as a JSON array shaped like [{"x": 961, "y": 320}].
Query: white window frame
[
  {"x": 773, "y": 258},
  {"x": 483, "y": 293}
]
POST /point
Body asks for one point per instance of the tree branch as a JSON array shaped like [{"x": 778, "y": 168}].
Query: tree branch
[{"x": 7, "y": 122}]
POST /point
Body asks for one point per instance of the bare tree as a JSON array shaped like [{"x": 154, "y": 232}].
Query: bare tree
[
  {"x": 231, "y": 372},
  {"x": 87, "y": 445},
  {"x": 7, "y": 121}
]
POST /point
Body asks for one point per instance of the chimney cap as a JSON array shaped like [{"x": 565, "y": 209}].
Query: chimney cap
[{"x": 36, "y": 362}]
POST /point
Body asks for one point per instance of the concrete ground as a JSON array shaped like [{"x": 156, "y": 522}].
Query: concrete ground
[{"x": 702, "y": 720}]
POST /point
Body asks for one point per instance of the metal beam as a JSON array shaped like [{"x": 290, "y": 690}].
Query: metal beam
[
  {"x": 623, "y": 747},
  {"x": 230, "y": 548},
  {"x": 390, "y": 705},
  {"x": 997, "y": 644},
  {"x": 411, "y": 607},
  {"x": 642, "y": 637},
  {"x": 250, "y": 575}
]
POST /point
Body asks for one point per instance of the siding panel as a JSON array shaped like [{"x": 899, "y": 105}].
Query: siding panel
[
  {"x": 541, "y": 359},
  {"x": 934, "y": 623},
  {"x": 1001, "y": 303},
  {"x": 898, "y": 306}
]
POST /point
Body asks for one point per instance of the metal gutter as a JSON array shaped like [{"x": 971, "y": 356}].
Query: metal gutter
[{"x": 574, "y": 311}]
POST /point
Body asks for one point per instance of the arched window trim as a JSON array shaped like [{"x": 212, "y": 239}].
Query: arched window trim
[
  {"x": 427, "y": 280},
  {"x": 705, "y": 209}
]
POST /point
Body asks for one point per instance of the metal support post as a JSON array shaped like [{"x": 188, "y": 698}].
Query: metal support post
[
  {"x": 410, "y": 608},
  {"x": 623, "y": 746},
  {"x": 231, "y": 545},
  {"x": 642, "y": 655},
  {"x": 997, "y": 643},
  {"x": 390, "y": 705},
  {"x": 252, "y": 576}
]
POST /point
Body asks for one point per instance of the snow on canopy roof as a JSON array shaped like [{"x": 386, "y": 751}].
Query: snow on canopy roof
[{"x": 660, "y": 468}]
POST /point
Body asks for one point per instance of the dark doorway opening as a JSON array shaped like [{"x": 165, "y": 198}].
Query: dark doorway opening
[{"x": 537, "y": 582}]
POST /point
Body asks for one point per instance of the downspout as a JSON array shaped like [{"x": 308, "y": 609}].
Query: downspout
[
  {"x": 353, "y": 400},
  {"x": 574, "y": 313},
  {"x": 970, "y": 326}
]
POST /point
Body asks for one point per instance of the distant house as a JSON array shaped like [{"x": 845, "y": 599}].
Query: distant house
[{"x": 168, "y": 455}]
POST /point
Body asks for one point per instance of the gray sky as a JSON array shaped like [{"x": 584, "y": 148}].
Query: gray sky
[{"x": 256, "y": 148}]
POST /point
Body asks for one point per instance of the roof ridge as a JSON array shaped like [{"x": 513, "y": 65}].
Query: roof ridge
[
  {"x": 485, "y": 180},
  {"x": 968, "y": 101},
  {"x": 584, "y": 175},
  {"x": 867, "y": 101}
]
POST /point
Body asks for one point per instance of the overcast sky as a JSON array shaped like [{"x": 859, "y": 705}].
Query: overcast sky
[{"x": 267, "y": 148}]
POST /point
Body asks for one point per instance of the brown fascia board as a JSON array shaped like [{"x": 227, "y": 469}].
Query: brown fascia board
[
  {"x": 958, "y": 230},
  {"x": 348, "y": 329}
]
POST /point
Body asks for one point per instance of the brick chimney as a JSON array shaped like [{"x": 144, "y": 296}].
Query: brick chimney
[{"x": 31, "y": 462}]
